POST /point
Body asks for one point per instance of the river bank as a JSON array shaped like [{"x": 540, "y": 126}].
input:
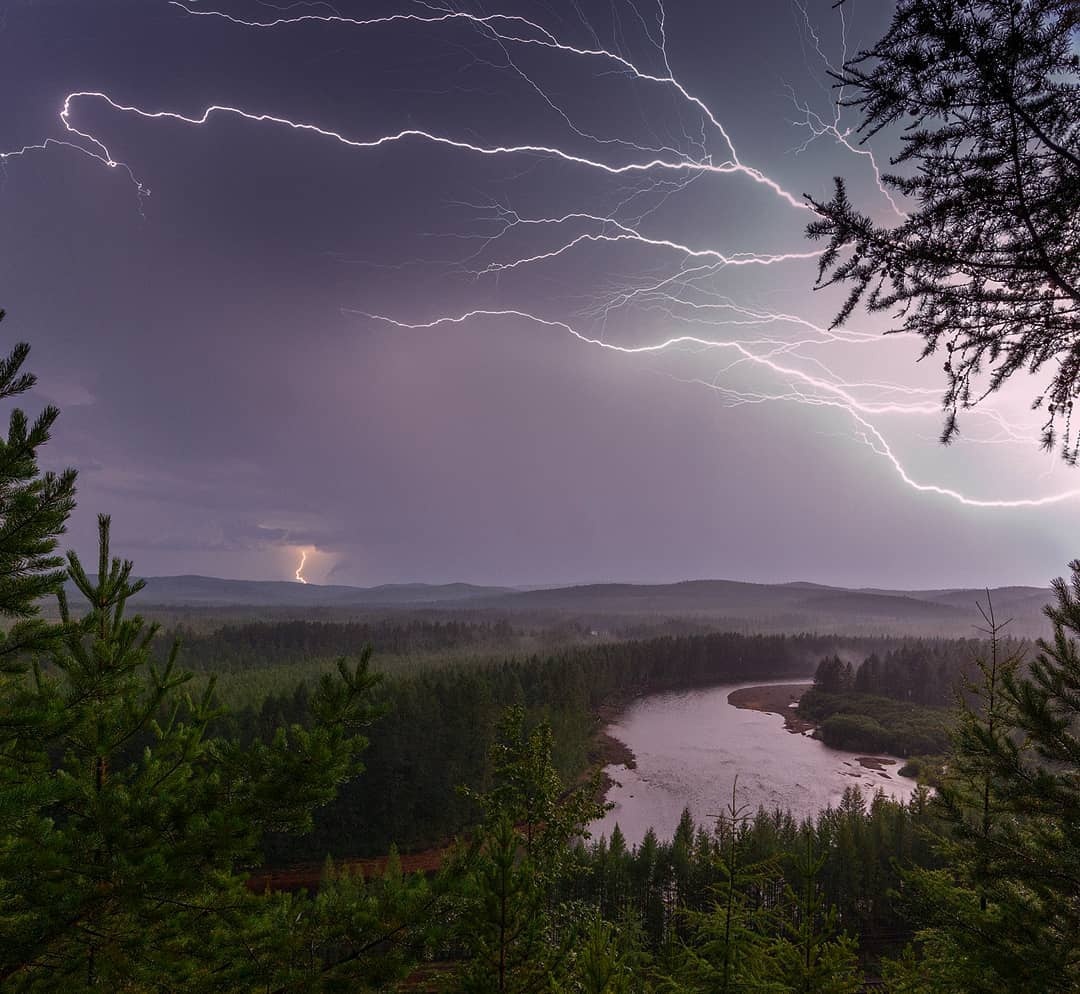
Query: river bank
[
  {"x": 783, "y": 699},
  {"x": 775, "y": 698},
  {"x": 690, "y": 746}
]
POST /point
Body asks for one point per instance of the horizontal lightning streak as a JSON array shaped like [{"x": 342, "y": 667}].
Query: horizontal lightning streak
[
  {"x": 547, "y": 40},
  {"x": 736, "y": 259},
  {"x": 841, "y": 398},
  {"x": 655, "y": 164}
]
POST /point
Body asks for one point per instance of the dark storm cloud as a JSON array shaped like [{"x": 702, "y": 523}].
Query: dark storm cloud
[{"x": 225, "y": 401}]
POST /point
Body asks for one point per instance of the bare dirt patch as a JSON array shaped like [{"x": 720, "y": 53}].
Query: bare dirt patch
[
  {"x": 875, "y": 762},
  {"x": 308, "y": 876},
  {"x": 610, "y": 751},
  {"x": 777, "y": 698}
]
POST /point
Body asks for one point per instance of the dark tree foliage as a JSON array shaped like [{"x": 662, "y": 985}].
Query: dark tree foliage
[
  {"x": 514, "y": 937},
  {"x": 737, "y": 891},
  {"x": 922, "y": 672},
  {"x": 256, "y": 645},
  {"x": 834, "y": 676},
  {"x": 1003, "y": 913},
  {"x": 898, "y": 701},
  {"x": 34, "y": 508},
  {"x": 986, "y": 266}
]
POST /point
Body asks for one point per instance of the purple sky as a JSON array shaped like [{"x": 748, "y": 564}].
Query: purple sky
[{"x": 229, "y": 399}]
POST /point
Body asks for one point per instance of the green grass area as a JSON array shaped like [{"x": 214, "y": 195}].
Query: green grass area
[
  {"x": 254, "y": 661},
  {"x": 241, "y": 688},
  {"x": 868, "y": 723}
]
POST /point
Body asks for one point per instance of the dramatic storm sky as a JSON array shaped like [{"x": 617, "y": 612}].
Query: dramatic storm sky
[{"x": 229, "y": 398}]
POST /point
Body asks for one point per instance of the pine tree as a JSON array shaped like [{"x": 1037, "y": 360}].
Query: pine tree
[
  {"x": 809, "y": 955},
  {"x": 727, "y": 948},
  {"x": 1004, "y": 911},
  {"x": 617, "y": 876},
  {"x": 144, "y": 822},
  {"x": 34, "y": 508},
  {"x": 607, "y": 959},
  {"x": 514, "y": 931}
]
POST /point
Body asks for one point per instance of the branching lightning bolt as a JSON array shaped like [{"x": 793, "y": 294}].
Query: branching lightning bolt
[
  {"x": 816, "y": 392},
  {"x": 682, "y": 287},
  {"x": 299, "y": 574}
]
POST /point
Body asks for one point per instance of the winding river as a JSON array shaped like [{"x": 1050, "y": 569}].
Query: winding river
[{"x": 690, "y": 745}]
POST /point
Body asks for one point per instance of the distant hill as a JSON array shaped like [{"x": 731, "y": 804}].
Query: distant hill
[
  {"x": 799, "y": 606},
  {"x": 689, "y": 596},
  {"x": 877, "y": 605},
  {"x": 209, "y": 591}
]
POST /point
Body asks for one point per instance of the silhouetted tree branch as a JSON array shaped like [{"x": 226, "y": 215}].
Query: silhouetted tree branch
[{"x": 986, "y": 266}]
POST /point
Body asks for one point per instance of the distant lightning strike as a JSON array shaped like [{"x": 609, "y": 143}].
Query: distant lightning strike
[
  {"x": 300, "y": 569},
  {"x": 684, "y": 296}
]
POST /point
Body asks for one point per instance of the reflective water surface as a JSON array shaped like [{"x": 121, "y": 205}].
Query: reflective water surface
[{"x": 689, "y": 747}]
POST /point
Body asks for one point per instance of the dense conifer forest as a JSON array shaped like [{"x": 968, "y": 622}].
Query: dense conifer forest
[
  {"x": 149, "y": 779},
  {"x": 409, "y": 795},
  {"x": 896, "y": 700}
]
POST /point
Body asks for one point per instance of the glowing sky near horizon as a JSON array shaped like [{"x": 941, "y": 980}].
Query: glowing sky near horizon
[{"x": 502, "y": 295}]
